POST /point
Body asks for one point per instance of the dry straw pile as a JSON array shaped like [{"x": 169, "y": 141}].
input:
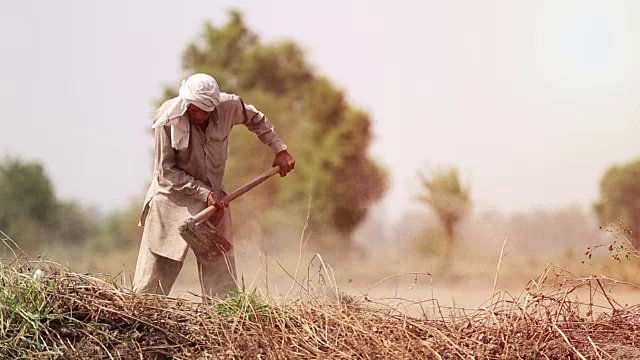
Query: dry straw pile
[{"x": 68, "y": 315}]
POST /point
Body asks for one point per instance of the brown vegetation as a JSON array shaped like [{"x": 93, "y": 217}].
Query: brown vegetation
[{"x": 557, "y": 315}]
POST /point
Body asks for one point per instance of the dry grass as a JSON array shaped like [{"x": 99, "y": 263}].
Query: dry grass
[{"x": 70, "y": 315}]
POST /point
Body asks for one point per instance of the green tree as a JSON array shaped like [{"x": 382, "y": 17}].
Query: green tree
[
  {"x": 449, "y": 200},
  {"x": 27, "y": 201},
  {"x": 328, "y": 136},
  {"x": 25, "y": 190},
  {"x": 30, "y": 212},
  {"x": 620, "y": 198}
]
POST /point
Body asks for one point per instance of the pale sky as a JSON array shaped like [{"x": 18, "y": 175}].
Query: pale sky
[{"x": 532, "y": 100}]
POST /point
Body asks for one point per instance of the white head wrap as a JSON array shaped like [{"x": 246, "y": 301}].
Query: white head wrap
[{"x": 200, "y": 90}]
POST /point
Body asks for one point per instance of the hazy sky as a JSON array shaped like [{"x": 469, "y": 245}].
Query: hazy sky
[{"x": 532, "y": 100}]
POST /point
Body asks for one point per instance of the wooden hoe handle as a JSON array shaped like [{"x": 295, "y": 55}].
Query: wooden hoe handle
[{"x": 204, "y": 214}]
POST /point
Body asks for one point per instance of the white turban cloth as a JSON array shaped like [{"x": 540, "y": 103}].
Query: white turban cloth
[{"x": 200, "y": 90}]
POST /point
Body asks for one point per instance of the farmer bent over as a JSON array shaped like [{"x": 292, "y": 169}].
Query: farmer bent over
[{"x": 191, "y": 139}]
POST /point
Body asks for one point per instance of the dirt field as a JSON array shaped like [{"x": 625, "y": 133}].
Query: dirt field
[
  {"x": 307, "y": 308},
  {"x": 407, "y": 283}
]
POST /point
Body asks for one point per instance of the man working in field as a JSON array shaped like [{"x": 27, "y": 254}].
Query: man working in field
[{"x": 191, "y": 138}]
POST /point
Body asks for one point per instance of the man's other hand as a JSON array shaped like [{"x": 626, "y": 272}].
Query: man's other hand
[
  {"x": 285, "y": 161},
  {"x": 211, "y": 201}
]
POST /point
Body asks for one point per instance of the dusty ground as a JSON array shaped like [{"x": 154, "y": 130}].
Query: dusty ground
[{"x": 470, "y": 286}]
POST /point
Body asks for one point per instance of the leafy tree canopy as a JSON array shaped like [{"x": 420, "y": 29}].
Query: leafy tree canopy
[{"x": 328, "y": 137}]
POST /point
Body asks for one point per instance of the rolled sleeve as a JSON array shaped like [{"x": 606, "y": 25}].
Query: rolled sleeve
[
  {"x": 259, "y": 124},
  {"x": 277, "y": 146}
]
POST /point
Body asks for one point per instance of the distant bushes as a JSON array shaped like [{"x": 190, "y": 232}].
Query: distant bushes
[{"x": 33, "y": 216}]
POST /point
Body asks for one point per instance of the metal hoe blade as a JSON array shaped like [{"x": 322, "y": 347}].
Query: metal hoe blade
[{"x": 205, "y": 240}]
